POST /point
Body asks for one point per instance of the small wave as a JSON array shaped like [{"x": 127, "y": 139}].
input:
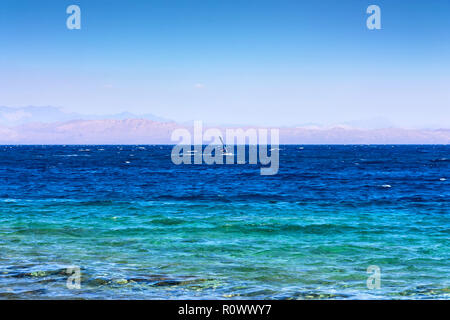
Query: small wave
[
  {"x": 371, "y": 161},
  {"x": 440, "y": 159},
  {"x": 95, "y": 203},
  {"x": 167, "y": 221},
  {"x": 9, "y": 200}
]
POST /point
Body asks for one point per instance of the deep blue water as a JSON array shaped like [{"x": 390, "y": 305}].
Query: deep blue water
[{"x": 141, "y": 227}]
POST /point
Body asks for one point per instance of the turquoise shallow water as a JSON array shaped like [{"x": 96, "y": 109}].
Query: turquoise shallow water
[{"x": 143, "y": 231}]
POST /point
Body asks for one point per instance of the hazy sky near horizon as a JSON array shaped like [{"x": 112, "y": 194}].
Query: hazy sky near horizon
[{"x": 241, "y": 62}]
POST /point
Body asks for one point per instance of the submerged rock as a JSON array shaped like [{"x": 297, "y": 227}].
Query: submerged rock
[{"x": 121, "y": 281}]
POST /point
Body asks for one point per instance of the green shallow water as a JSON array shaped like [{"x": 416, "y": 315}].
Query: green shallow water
[{"x": 199, "y": 249}]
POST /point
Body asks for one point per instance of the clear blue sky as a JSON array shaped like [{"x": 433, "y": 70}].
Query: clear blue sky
[{"x": 256, "y": 62}]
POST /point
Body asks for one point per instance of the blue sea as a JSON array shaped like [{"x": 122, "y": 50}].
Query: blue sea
[{"x": 140, "y": 227}]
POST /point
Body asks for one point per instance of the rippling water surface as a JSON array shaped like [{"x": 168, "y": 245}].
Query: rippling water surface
[{"x": 140, "y": 227}]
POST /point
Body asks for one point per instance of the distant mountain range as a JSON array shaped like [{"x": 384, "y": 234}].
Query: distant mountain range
[
  {"x": 142, "y": 131},
  {"x": 50, "y": 125}
]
